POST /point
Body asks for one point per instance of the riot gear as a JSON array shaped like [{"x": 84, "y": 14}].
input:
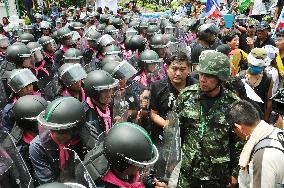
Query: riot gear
[
  {"x": 111, "y": 58},
  {"x": 72, "y": 55},
  {"x": 101, "y": 28},
  {"x": 36, "y": 51},
  {"x": 158, "y": 41},
  {"x": 71, "y": 73},
  {"x": 45, "y": 40},
  {"x": 28, "y": 29},
  {"x": 134, "y": 24},
  {"x": 17, "y": 53},
  {"x": 117, "y": 23},
  {"x": 129, "y": 32},
  {"x": 111, "y": 50},
  {"x": 120, "y": 149},
  {"x": 112, "y": 31},
  {"x": 137, "y": 42},
  {"x": 120, "y": 69},
  {"x": 208, "y": 32},
  {"x": 44, "y": 25},
  {"x": 104, "y": 18},
  {"x": 98, "y": 80},
  {"x": 4, "y": 42},
  {"x": 29, "y": 107},
  {"x": 20, "y": 78},
  {"x": 105, "y": 40},
  {"x": 62, "y": 113},
  {"x": 63, "y": 34},
  {"x": 26, "y": 38},
  {"x": 149, "y": 56},
  {"x": 76, "y": 26}
]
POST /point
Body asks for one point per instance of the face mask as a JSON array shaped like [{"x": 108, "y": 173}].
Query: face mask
[{"x": 255, "y": 69}]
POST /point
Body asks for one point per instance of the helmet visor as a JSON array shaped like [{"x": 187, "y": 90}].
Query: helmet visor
[
  {"x": 106, "y": 40},
  {"x": 124, "y": 70},
  {"x": 131, "y": 33},
  {"x": 73, "y": 74},
  {"x": 38, "y": 55},
  {"x": 21, "y": 79}
]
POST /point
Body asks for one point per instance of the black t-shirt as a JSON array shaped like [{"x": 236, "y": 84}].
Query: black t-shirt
[{"x": 163, "y": 96}]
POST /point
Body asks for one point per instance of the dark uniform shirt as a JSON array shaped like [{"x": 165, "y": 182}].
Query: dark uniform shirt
[{"x": 162, "y": 100}]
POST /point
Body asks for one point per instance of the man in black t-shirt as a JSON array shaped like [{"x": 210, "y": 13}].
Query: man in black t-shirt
[{"x": 165, "y": 92}]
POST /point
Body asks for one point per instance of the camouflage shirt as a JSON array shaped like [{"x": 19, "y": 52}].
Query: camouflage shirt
[{"x": 210, "y": 148}]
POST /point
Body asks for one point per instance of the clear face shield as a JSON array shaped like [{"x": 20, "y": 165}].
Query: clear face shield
[
  {"x": 131, "y": 33},
  {"x": 172, "y": 48},
  {"x": 38, "y": 55},
  {"x": 73, "y": 74},
  {"x": 170, "y": 30},
  {"x": 52, "y": 46},
  {"x": 20, "y": 79}
]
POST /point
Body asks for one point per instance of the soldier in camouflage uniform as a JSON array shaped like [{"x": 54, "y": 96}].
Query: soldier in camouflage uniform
[{"x": 210, "y": 147}]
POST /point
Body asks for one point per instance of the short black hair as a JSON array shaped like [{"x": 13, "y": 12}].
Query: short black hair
[
  {"x": 179, "y": 56},
  {"x": 230, "y": 36},
  {"x": 243, "y": 112}
]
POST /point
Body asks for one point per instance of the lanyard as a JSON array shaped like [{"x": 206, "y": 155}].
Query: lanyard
[{"x": 204, "y": 121}]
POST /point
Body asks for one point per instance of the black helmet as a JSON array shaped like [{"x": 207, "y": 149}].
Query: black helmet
[
  {"x": 16, "y": 53},
  {"x": 72, "y": 55},
  {"x": 129, "y": 32},
  {"x": 137, "y": 42},
  {"x": 111, "y": 58},
  {"x": 205, "y": 31},
  {"x": 63, "y": 32},
  {"x": 98, "y": 80},
  {"x": 134, "y": 24},
  {"x": 242, "y": 20},
  {"x": 120, "y": 69},
  {"x": 193, "y": 24},
  {"x": 20, "y": 78},
  {"x": 105, "y": 40},
  {"x": 36, "y": 51},
  {"x": 158, "y": 41},
  {"x": 149, "y": 56},
  {"x": 111, "y": 50},
  {"x": 152, "y": 29},
  {"x": 28, "y": 29},
  {"x": 26, "y": 38},
  {"x": 44, "y": 40},
  {"x": 104, "y": 18},
  {"x": 128, "y": 143},
  {"x": 168, "y": 28},
  {"x": 76, "y": 26},
  {"x": 71, "y": 73},
  {"x": 92, "y": 35},
  {"x": 45, "y": 25},
  {"x": 62, "y": 113},
  {"x": 117, "y": 23},
  {"x": 110, "y": 29},
  {"x": 101, "y": 28},
  {"x": 29, "y": 107}
]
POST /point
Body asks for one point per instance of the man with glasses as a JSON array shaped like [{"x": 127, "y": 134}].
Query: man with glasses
[{"x": 210, "y": 148}]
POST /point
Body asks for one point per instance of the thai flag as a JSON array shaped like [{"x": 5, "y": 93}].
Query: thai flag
[
  {"x": 280, "y": 22},
  {"x": 212, "y": 9}
]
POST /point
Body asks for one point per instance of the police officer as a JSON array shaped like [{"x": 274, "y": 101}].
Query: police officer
[
  {"x": 61, "y": 123},
  {"x": 26, "y": 38},
  {"x": 209, "y": 146},
  {"x": 38, "y": 56},
  {"x": 121, "y": 159},
  {"x": 158, "y": 44},
  {"x": 45, "y": 27},
  {"x": 89, "y": 54},
  {"x": 99, "y": 87},
  {"x": 64, "y": 36},
  {"x": 4, "y": 43},
  {"x": 22, "y": 82},
  {"x": 126, "y": 99},
  {"x": 71, "y": 76},
  {"x": 207, "y": 35},
  {"x": 73, "y": 55},
  {"x": 49, "y": 47}
]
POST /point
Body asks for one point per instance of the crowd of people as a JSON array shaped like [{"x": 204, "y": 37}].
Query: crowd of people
[{"x": 119, "y": 100}]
